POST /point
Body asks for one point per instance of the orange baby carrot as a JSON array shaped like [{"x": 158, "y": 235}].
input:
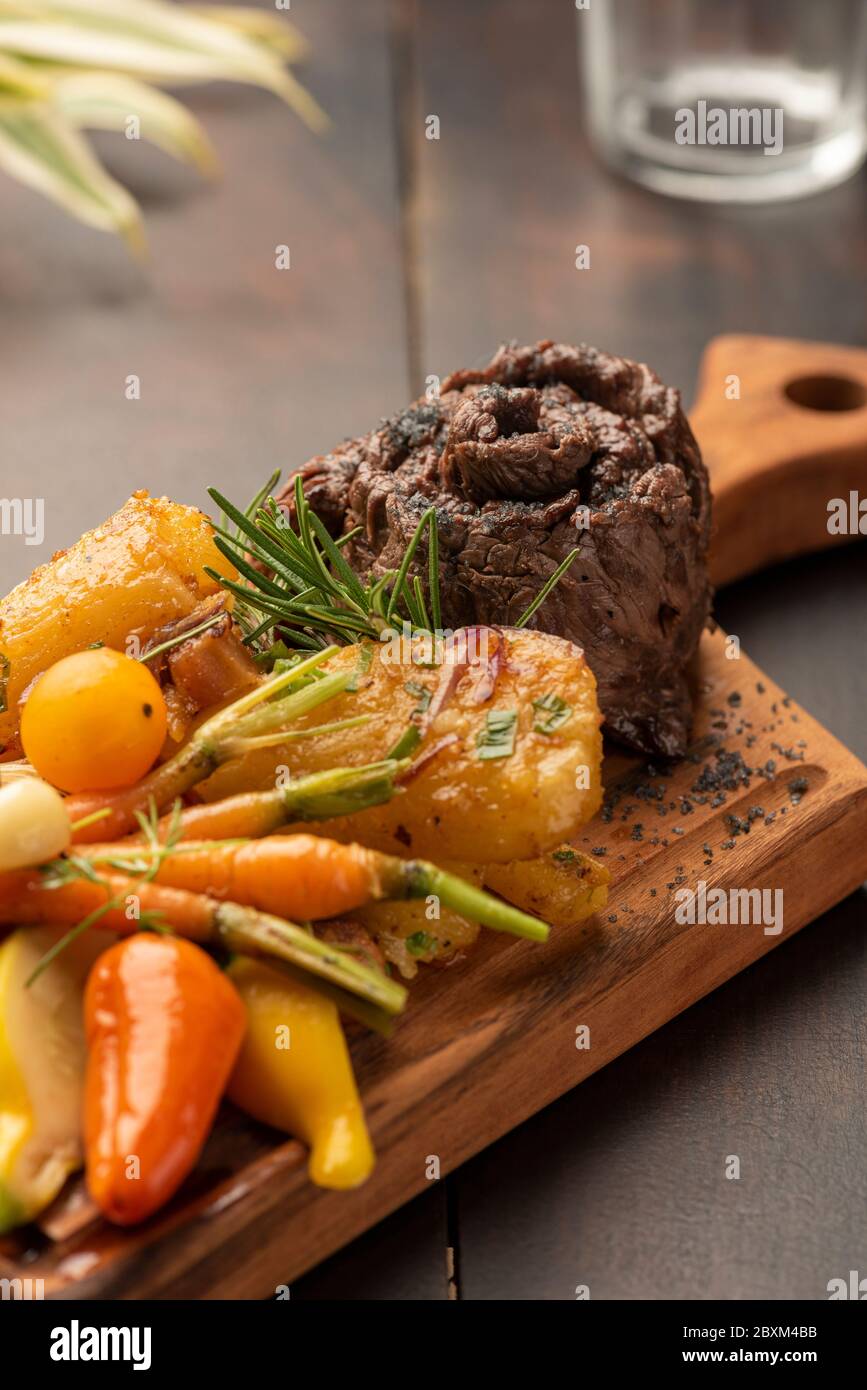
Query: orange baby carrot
[
  {"x": 25, "y": 899},
  {"x": 318, "y": 877},
  {"x": 249, "y": 815},
  {"x": 163, "y": 1026},
  {"x": 296, "y": 876},
  {"x": 114, "y": 901},
  {"x": 159, "y": 788},
  {"x": 311, "y": 878}
]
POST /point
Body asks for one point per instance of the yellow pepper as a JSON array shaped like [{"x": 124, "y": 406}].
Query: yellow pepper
[
  {"x": 294, "y": 1073},
  {"x": 42, "y": 1059}
]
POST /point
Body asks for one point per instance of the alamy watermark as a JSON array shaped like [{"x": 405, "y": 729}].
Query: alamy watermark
[
  {"x": 23, "y": 516},
  {"x": 852, "y": 1288},
  {"x": 28, "y": 1290},
  {"x": 77, "y": 1343},
  {"x": 847, "y": 516},
  {"x": 737, "y": 125},
  {"x": 713, "y": 907},
  {"x": 410, "y": 646}
]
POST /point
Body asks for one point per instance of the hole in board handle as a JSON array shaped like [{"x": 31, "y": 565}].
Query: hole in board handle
[{"x": 827, "y": 393}]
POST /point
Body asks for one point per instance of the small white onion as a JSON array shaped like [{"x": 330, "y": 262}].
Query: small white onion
[{"x": 34, "y": 826}]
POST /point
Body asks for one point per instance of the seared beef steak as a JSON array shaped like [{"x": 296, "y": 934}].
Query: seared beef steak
[{"x": 546, "y": 448}]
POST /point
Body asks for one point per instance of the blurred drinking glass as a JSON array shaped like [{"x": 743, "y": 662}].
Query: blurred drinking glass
[{"x": 727, "y": 100}]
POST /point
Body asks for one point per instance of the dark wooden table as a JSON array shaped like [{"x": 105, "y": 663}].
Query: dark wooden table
[{"x": 409, "y": 257}]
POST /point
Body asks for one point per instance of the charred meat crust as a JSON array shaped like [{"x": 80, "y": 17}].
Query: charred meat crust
[{"x": 548, "y": 447}]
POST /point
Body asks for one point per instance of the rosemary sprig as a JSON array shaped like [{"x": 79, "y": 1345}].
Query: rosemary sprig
[
  {"x": 295, "y": 581},
  {"x": 400, "y": 587},
  {"x": 546, "y": 588},
  {"x": 297, "y": 585}
]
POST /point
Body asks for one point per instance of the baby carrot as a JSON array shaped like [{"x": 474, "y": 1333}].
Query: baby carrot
[
  {"x": 337, "y": 792},
  {"x": 26, "y": 899},
  {"x": 359, "y": 989},
  {"x": 311, "y": 878},
  {"x": 305, "y": 877},
  {"x": 163, "y": 1026}
]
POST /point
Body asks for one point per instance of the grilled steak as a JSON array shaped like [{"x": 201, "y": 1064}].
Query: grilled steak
[{"x": 547, "y": 448}]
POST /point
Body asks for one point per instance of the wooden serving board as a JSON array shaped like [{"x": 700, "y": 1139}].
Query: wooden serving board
[{"x": 488, "y": 1042}]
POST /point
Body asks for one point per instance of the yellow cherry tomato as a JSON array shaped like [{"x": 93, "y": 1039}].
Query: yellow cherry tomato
[{"x": 94, "y": 721}]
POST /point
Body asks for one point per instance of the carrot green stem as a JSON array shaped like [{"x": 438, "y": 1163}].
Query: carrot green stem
[
  {"x": 255, "y": 713},
  {"x": 340, "y": 791},
  {"x": 320, "y": 796},
  {"x": 276, "y": 714},
  {"x": 249, "y": 745},
  {"x": 419, "y": 879},
  {"x": 249, "y": 932},
  {"x": 371, "y": 1015},
  {"x": 267, "y": 689}
]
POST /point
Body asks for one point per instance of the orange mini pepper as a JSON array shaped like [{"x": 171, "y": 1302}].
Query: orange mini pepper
[{"x": 163, "y": 1027}]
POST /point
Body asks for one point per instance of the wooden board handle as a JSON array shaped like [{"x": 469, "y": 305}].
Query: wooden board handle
[{"x": 792, "y": 439}]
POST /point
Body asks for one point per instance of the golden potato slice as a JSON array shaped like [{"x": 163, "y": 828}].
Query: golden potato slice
[
  {"x": 509, "y": 764},
  {"x": 140, "y": 569},
  {"x": 562, "y": 887},
  {"x": 410, "y": 933}
]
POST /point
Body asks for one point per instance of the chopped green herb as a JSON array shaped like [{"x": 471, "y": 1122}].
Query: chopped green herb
[
  {"x": 5, "y": 668},
  {"x": 275, "y": 652},
  {"x": 497, "y": 739},
  {"x": 553, "y": 713},
  {"x": 422, "y": 694},
  {"x": 419, "y": 943},
  {"x": 411, "y": 737},
  {"x": 406, "y": 744},
  {"x": 365, "y": 657},
  {"x": 565, "y": 856},
  {"x": 285, "y": 663}
]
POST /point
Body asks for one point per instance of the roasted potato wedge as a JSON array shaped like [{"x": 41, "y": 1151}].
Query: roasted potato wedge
[
  {"x": 415, "y": 932},
  {"x": 140, "y": 569},
  {"x": 509, "y": 764},
  {"x": 562, "y": 887}
]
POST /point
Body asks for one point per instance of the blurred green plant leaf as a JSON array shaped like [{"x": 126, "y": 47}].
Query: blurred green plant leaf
[
  {"x": 272, "y": 30},
  {"x": 41, "y": 150},
  {"x": 68, "y": 65},
  {"x": 106, "y": 101}
]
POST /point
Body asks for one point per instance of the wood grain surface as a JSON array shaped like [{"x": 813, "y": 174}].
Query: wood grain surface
[{"x": 429, "y": 253}]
